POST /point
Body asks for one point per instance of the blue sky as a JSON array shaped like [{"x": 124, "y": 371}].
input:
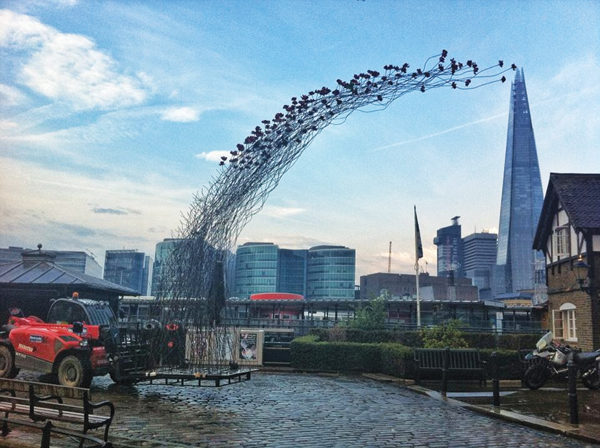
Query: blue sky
[{"x": 113, "y": 115}]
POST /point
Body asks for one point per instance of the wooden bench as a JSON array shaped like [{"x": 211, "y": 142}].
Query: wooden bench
[
  {"x": 465, "y": 361},
  {"x": 41, "y": 402}
]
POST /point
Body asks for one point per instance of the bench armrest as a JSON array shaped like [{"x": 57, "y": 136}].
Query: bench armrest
[
  {"x": 34, "y": 399},
  {"x": 91, "y": 406}
]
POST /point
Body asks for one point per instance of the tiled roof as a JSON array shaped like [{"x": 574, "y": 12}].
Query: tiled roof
[
  {"x": 41, "y": 272},
  {"x": 580, "y": 196}
]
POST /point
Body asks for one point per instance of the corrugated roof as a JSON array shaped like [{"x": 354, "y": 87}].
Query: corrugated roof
[{"x": 48, "y": 273}]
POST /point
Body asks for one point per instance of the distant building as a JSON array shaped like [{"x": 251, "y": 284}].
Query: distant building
[
  {"x": 128, "y": 268},
  {"x": 331, "y": 273},
  {"x": 450, "y": 257},
  {"x": 161, "y": 253},
  {"x": 480, "y": 258},
  {"x": 403, "y": 286},
  {"x": 256, "y": 269},
  {"x": 319, "y": 273},
  {"x": 32, "y": 282},
  {"x": 291, "y": 270},
  {"x": 78, "y": 261},
  {"x": 521, "y": 200}
]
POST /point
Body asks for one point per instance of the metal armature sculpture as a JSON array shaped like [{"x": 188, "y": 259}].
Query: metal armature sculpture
[{"x": 194, "y": 286}]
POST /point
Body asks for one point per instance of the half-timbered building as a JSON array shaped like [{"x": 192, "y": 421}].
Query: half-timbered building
[{"x": 568, "y": 233}]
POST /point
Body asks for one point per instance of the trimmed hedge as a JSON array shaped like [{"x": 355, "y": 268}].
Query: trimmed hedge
[
  {"x": 308, "y": 353},
  {"x": 509, "y": 365},
  {"x": 412, "y": 338}
]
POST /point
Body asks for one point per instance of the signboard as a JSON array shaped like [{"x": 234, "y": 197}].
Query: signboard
[{"x": 250, "y": 347}]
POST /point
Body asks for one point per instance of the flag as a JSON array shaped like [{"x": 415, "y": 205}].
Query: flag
[{"x": 418, "y": 244}]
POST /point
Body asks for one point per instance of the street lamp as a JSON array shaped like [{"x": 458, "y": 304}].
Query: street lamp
[{"x": 581, "y": 269}]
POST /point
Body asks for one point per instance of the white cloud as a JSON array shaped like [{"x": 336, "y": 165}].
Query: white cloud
[
  {"x": 213, "y": 156},
  {"x": 181, "y": 114},
  {"x": 11, "y": 96},
  {"x": 68, "y": 67},
  {"x": 282, "y": 212},
  {"x": 53, "y": 205}
]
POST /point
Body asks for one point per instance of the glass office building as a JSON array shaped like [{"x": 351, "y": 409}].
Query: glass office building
[
  {"x": 522, "y": 199},
  {"x": 331, "y": 273},
  {"x": 161, "y": 253},
  {"x": 450, "y": 254},
  {"x": 256, "y": 269},
  {"x": 127, "y": 268},
  {"x": 292, "y": 271},
  {"x": 480, "y": 258}
]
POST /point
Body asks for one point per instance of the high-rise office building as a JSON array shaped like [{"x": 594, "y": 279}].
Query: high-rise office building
[
  {"x": 128, "y": 268},
  {"x": 291, "y": 271},
  {"x": 450, "y": 263},
  {"x": 319, "y": 273},
  {"x": 480, "y": 258},
  {"x": 161, "y": 253},
  {"x": 331, "y": 273},
  {"x": 522, "y": 199},
  {"x": 256, "y": 269}
]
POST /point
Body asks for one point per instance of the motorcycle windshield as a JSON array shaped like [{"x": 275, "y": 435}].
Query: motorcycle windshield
[{"x": 544, "y": 341}]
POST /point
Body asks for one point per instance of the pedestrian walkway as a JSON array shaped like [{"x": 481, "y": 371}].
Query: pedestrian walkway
[{"x": 301, "y": 410}]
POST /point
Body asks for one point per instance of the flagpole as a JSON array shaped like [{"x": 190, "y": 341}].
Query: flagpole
[
  {"x": 418, "y": 298},
  {"x": 418, "y": 254}
]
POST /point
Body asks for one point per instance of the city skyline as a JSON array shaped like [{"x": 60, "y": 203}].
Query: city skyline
[{"x": 114, "y": 115}]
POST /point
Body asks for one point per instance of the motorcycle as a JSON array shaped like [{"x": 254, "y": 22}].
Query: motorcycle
[{"x": 550, "y": 360}]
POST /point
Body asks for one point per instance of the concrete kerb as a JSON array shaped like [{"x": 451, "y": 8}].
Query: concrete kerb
[{"x": 491, "y": 411}]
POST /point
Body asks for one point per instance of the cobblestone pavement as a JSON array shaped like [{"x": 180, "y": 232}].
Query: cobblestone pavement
[{"x": 300, "y": 410}]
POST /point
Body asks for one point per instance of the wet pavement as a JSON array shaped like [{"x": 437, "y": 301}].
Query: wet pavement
[{"x": 291, "y": 410}]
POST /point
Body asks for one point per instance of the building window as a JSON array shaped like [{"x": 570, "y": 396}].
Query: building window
[
  {"x": 562, "y": 241},
  {"x": 565, "y": 325}
]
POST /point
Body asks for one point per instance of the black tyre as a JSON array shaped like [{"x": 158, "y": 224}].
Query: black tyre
[
  {"x": 536, "y": 376},
  {"x": 74, "y": 372},
  {"x": 591, "y": 378},
  {"x": 7, "y": 363}
]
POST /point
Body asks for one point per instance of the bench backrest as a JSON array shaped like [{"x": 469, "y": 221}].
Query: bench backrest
[
  {"x": 433, "y": 358},
  {"x": 44, "y": 389}
]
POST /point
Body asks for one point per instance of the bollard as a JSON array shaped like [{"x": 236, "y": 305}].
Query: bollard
[
  {"x": 445, "y": 371},
  {"x": 495, "y": 379},
  {"x": 573, "y": 408}
]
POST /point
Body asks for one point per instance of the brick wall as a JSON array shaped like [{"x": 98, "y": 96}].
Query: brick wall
[{"x": 563, "y": 288}]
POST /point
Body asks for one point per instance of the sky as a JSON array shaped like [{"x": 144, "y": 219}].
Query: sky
[{"x": 113, "y": 115}]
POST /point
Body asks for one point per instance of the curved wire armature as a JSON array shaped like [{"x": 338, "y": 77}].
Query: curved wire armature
[{"x": 194, "y": 275}]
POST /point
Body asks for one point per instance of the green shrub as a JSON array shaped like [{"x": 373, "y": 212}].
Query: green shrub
[
  {"x": 307, "y": 353},
  {"x": 447, "y": 334},
  {"x": 411, "y": 338},
  {"x": 518, "y": 341},
  {"x": 372, "y": 316},
  {"x": 509, "y": 365},
  {"x": 370, "y": 336},
  {"x": 480, "y": 340},
  {"x": 395, "y": 359}
]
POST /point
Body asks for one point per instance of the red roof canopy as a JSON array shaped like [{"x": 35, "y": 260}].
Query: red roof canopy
[{"x": 276, "y": 296}]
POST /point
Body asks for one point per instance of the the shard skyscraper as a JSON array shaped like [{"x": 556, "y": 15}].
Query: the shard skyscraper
[{"x": 522, "y": 199}]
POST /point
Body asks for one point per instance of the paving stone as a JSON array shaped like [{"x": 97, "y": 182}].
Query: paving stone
[{"x": 300, "y": 410}]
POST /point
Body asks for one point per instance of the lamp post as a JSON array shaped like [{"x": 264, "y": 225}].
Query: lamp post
[{"x": 581, "y": 270}]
